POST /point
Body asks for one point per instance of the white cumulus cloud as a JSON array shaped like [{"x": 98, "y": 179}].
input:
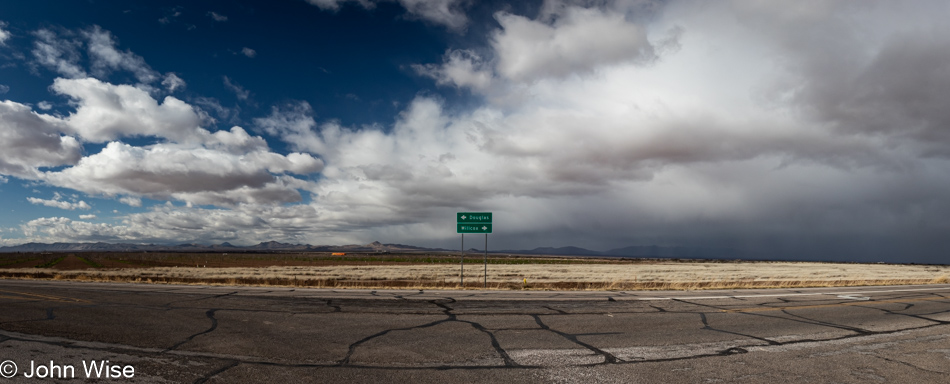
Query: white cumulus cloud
[
  {"x": 105, "y": 57},
  {"x": 563, "y": 40},
  {"x": 58, "y": 54},
  {"x": 131, "y": 201},
  {"x": 62, "y": 52},
  {"x": 244, "y": 224},
  {"x": 239, "y": 91},
  {"x": 4, "y": 34},
  {"x": 106, "y": 112},
  {"x": 227, "y": 168},
  {"x": 29, "y": 141},
  {"x": 334, "y": 5},
  {"x": 578, "y": 41},
  {"x": 189, "y": 163},
  {"x": 58, "y": 202},
  {"x": 172, "y": 82},
  {"x": 448, "y": 13},
  {"x": 461, "y": 68},
  {"x": 217, "y": 16},
  {"x": 49, "y": 228}
]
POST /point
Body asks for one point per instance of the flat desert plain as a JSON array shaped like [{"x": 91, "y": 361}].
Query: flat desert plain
[{"x": 443, "y": 271}]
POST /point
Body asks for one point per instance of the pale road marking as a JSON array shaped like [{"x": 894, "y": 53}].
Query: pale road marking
[
  {"x": 790, "y": 294},
  {"x": 854, "y": 297}
]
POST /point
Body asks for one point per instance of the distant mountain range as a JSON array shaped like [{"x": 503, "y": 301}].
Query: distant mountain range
[
  {"x": 640, "y": 251},
  {"x": 270, "y": 246},
  {"x": 273, "y": 246}
]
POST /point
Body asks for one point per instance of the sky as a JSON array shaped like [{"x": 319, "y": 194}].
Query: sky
[{"x": 815, "y": 130}]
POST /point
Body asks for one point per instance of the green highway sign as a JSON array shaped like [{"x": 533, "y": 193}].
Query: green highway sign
[
  {"x": 473, "y": 222},
  {"x": 474, "y": 228},
  {"x": 474, "y": 217}
]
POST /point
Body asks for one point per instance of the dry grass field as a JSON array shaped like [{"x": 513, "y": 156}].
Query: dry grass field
[{"x": 442, "y": 271}]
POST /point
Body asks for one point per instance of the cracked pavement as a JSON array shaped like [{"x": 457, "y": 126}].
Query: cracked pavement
[{"x": 200, "y": 334}]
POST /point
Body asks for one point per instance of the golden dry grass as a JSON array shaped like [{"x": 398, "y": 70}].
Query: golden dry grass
[{"x": 640, "y": 276}]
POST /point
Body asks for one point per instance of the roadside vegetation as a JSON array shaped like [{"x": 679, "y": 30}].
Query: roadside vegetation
[
  {"x": 5, "y": 263},
  {"x": 441, "y": 271},
  {"x": 51, "y": 263},
  {"x": 89, "y": 262}
]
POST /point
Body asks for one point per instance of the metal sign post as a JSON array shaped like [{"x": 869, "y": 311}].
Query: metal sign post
[{"x": 473, "y": 222}]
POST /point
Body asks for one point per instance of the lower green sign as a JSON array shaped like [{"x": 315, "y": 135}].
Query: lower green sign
[{"x": 474, "y": 228}]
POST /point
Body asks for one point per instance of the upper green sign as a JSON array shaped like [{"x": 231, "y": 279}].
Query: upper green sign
[{"x": 474, "y": 217}]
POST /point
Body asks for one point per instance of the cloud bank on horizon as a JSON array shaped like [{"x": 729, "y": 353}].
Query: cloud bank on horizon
[{"x": 812, "y": 129}]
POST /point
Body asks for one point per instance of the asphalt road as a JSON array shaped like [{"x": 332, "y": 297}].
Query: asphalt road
[{"x": 193, "y": 334}]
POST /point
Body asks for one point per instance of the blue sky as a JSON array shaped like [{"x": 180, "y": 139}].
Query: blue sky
[{"x": 809, "y": 130}]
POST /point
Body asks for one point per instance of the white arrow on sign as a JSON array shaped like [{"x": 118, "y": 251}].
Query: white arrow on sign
[
  {"x": 463, "y": 217},
  {"x": 484, "y": 228}
]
